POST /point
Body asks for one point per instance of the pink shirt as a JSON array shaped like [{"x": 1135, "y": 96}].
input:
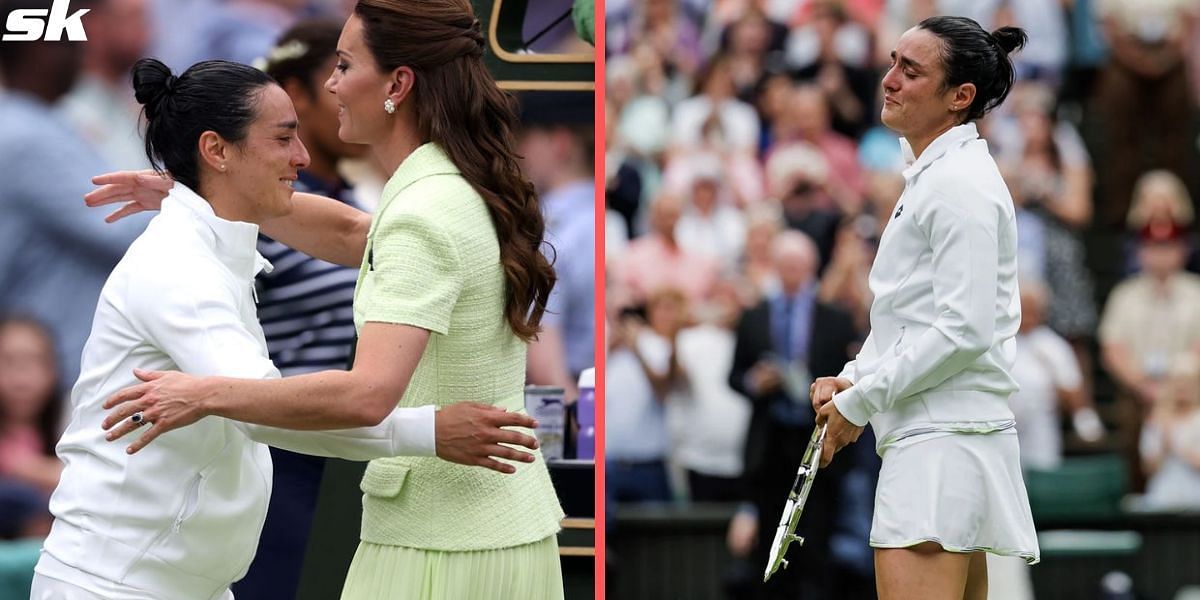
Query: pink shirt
[{"x": 650, "y": 264}]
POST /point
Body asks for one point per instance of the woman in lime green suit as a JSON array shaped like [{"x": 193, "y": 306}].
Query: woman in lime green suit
[{"x": 451, "y": 287}]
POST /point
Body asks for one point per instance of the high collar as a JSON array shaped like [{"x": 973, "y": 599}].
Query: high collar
[
  {"x": 952, "y": 138},
  {"x": 233, "y": 242},
  {"x": 428, "y": 159}
]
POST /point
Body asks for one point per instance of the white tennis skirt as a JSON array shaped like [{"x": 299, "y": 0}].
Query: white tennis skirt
[{"x": 962, "y": 491}]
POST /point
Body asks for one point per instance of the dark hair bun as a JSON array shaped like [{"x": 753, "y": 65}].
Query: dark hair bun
[
  {"x": 152, "y": 83},
  {"x": 1010, "y": 39}
]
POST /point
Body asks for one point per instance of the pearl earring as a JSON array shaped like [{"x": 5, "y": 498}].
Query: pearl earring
[
  {"x": 222, "y": 167},
  {"x": 389, "y": 107}
]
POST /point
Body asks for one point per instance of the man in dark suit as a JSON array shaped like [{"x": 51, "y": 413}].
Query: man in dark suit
[{"x": 783, "y": 343}]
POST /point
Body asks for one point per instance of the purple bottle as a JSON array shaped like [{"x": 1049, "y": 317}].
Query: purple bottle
[{"x": 585, "y": 409}]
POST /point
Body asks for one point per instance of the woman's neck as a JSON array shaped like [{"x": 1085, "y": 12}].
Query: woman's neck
[
  {"x": 919, "y": 142},
  {"x": 226, "y": 204},
  {"x": 397, "y": 146}
]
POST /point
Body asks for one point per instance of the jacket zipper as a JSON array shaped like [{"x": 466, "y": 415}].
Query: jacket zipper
[{"x": 189, "y": 502}]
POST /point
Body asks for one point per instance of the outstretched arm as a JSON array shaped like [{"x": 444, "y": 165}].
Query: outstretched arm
[
  {"x": 318, "y": 226},
  {"x": 323, "y": 227}
]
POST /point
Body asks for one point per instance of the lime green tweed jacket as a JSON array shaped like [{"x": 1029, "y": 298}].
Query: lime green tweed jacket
[{"x": 433, "y": 261}]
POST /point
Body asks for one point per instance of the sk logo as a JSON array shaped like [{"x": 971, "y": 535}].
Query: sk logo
[
  {"x": 28, "y": 24},
  {"x": 899, "y": 209}
]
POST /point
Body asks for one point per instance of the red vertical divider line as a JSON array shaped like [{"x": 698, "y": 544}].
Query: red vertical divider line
[{"x": 601, "y": 346}]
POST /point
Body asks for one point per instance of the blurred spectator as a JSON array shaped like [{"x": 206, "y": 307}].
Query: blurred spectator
[
  {"x": 734, "y": 122},
  {"x": 1170, "y": 443},
  {"x": 237, "y": 30},
  {"x": 757, "y": 266},
  {"x": 754, "y": 45},
  {"x": 1051, "y": 181},
  {"x": 1144, "y": 99},
  {"x": 900, "y": 15},
  {"x": 57, "y": 251},
  {"x": 642, "y": 372},
  {"x": 797, "y": 177},
  {"x": 101, "y": 105},
  {"x": 1048, "y": 152},
  {"x": 845, "y": 282},
  {"x": 807, "y": 121},
  {"x": 1159, "y": 196},
  {"x": 1051, "y": 381},
  {"x": 708, "y": 423},
  {"x": 710, "y": 225},
  {"x": 1151, "y": 319},
  {"x": 833, "y": 52},
  {"x": 656, "y": 261},
  {"x": 557, "y": 146},
  {"x": 1045, "y": 56},
  {"x": 637, "y": 132},
  {"x": 661, "y": 24},
  {"x": 784, "y": 343},
  {"x": 304, "y": 304},
  {"x": 30, "y": 413}
]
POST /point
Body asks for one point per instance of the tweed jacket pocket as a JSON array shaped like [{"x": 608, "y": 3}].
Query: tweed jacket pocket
[{"x": 383, "y": 480}]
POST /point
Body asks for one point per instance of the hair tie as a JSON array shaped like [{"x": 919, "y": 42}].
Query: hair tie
[
  {"x": 169, "y": 84},
  {"x": 475, "y": 32}
]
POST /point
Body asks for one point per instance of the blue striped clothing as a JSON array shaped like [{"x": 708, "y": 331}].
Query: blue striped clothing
[{"x": 304, "y": 304}]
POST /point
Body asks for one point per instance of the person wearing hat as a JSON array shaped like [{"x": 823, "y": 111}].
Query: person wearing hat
[{"x": 1150, "y": 320}]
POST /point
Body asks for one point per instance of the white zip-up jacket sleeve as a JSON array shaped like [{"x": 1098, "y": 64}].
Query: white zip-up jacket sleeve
[
  {"x": 946, "y": 306},
  {"x": 205, "y": 333},
  {"x": 964, "y": 266}
]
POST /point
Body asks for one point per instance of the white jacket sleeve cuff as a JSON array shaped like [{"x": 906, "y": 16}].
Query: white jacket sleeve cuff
[
  {"x": 405, "y": 432},
  {"x": 853, "y": 406},
  {"x": 848, "y": 371}
]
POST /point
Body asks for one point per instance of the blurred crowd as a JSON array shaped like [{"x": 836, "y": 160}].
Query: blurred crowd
[
  {"x": 748, "y": 181},
  {"x": 67, "y": 113}
]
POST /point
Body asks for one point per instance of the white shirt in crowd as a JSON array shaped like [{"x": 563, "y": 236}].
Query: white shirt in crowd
[
  {"x": 739, "y": 122},
  {"x": 635, "y": 427},
  {"x": 708, "y": 420},
  {"x": 1044, "y": 365}
]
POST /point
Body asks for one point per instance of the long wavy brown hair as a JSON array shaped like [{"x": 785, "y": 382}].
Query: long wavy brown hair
[{"x": 460, "y": 107}]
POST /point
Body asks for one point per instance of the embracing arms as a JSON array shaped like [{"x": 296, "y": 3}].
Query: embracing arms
[{"x": 317, "y": 226}]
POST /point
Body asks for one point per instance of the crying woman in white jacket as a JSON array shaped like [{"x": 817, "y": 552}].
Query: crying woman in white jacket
[
  {"x": 181, "y": 520},
  {"x": 933, "y": 376}
]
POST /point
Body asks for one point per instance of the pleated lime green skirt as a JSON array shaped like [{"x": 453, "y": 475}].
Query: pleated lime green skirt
[{"x": 529, "y": 572}]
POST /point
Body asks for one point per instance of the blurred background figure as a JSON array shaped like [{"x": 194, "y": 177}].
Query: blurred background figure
[
  {"x": 31, "y": 411},
  {"x": 101, "y": 105},
  {"x": 1151, "y": 320},
  {"x": 237, "y": 30},
  {"x": 644, "y": 376},
  {"x": 656, "y": 261},
  {"x": 557, "y": 149},
  {"x": 57, "y": 251},
  {"x": 708, "y": 422},
  {"x": 1144, "y": 100},
  {"x": 1051, "y": 386},
  {"x": 1170, "y": 444}
]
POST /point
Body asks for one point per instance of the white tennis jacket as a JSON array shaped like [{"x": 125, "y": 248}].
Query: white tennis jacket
[
  {"x": 946, "y": 308},
  {"x": 181, "y": 518}
]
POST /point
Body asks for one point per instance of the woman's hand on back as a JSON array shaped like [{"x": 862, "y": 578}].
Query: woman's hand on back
[{"x": 139, "y": 190}]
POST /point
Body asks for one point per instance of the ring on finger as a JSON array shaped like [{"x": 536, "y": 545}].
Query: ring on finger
[{"x": 138, "y": 418}]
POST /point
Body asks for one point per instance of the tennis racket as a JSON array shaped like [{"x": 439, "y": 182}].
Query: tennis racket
[{"x": 786, "y": 532}]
